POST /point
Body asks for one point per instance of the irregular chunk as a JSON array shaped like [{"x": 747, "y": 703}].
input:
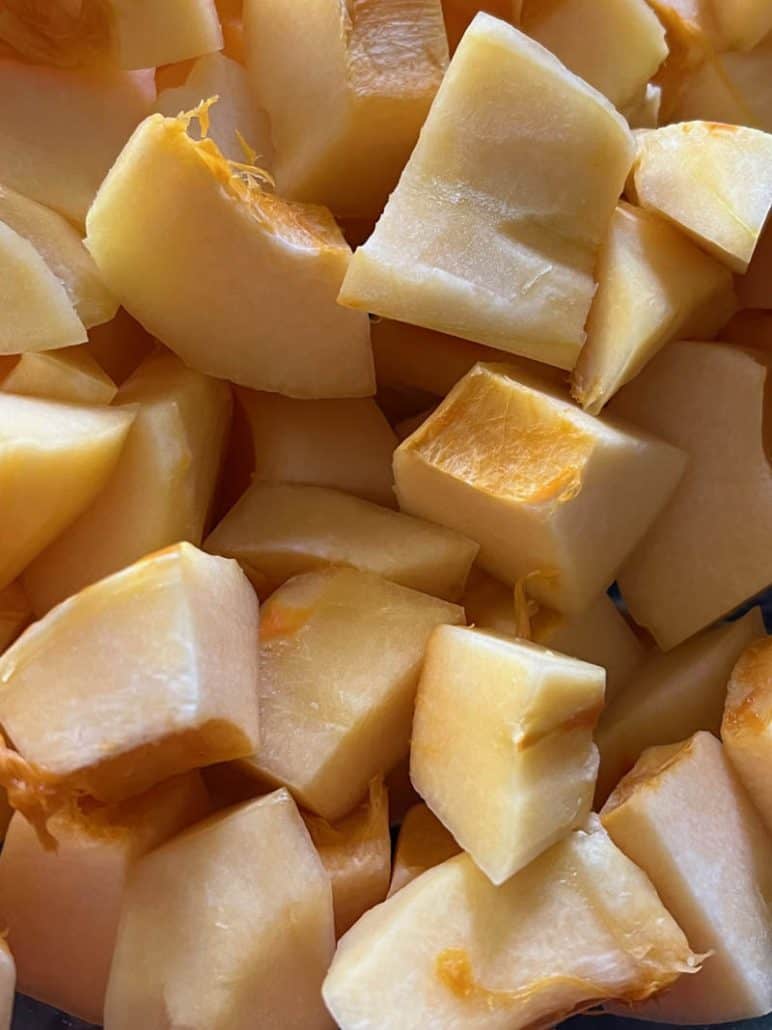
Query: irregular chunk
[
  {"x": 493, "y": 231},
  {"x": 684, "y": 819},
  {"x": 347, "y": 85},
  {"x": 709, "y": 549},
  {"x": 356, "y": 852},
  {"x": 54, "y": 460},
  {"x": 244, "y": 938},
  {"x": 712, "y": 180},
  {"x": 146, "y": 674},
  {"x": 160, "y": 491},
  {"x": 15, "y": 614},
  {"x": 744, "y": 23},
  {"x": 578, "y": 925},
  {"x": 346, "y": 444},
  {"x": 746, "y": 728},
  {"x": 730, "y": 87},
  {"x": 279, "y": 530},
  {"x": 176, "y": 228},
  {"x": 423, "y": 843},
  {"x": 540, "y": 485},
  {"x": 654, "y": 285},
  {"x": 670, "y": 697},
  {"x": 69, "y": 375},
  {"x": 61, "y": 130},
  {"x": 340, "y": 656},
  {"x": 61, "y": 908},
  {"x": 502, "y": 747}
]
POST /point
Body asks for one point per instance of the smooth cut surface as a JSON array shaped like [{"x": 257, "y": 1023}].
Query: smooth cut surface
[
  {"x": 71, "y": 375},
  {"x": 746, "y": 728}
]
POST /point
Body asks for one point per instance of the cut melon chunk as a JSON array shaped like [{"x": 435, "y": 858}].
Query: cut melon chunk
[
  {"x": 278, "y": 530},
  {"x": 722, "y": 508},
  {"x": 671, "y": 697},
  {"x": 161, "y": 489},
  {"x": 494, "y": 229},
  {"x": 347, "y": 85},
  {"x": 15, "y": 614},
  {"x": 541, "y": 486},
  {"x": 61, "y": 908},
  {"x": 682, "y": 816},
  {"x": 744, "y": 23},
  {"x": 712, "y": 180},
  {"x": 578, "y": 925},
  {"x": 346, "y": 444},
  {"x": 54, "y": 460},
  {"x": 502, "y": 747},
  {"x": 422, "y": 844},
  {"x": 7, "y": 985},
  {"x": 119, "y": 345},
  {"x": 242, "y": 939},
  {"x": 70, "y": 375},
  {"x": 654, "y": 285},
  {"x": 340, "y": 656},
  {"x": 146, "y": 674},
  {"x": 61, "y": 130},
  {"x": 746, "y": 728},
  {"x": 204, "y": 231},
  {"x": 614, "y": 45},
  {"x": 731, "y": 87},
  {"x": 356, "y": 852}
]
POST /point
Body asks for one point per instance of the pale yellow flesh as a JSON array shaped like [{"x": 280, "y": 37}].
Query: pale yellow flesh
[
  {"x": 511, "y": 464},
  {"x": 709, "y": 550},
  {"x": 148, "y": 673},
  {"x": 71, "y": 375},
  {"x": 730, "y": 87},
  {"x": 423, "y": 843},
  {"x": 492, "y": 234},
  {"x": 61, "y": 908},
  {"x": 340, "y": 656},
  {"x": 162, "y": 486},
  {"x": 278, "y": 530},
  {"x": 682, "y": 816},
  {"x": 579, "y": 924}
]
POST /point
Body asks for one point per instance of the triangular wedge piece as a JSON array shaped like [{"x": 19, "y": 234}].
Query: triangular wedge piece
[
  {"x": 654, "y": 285},
  {"x": 162, "y": 486},
  {"x": 54, "y": 460},
  {"x": 70, "y": 375},
  {"x": 502, "y": 747},
  {"x": 578, "y": 925},
  {"x": 712, "y": 180},
  {"x": 682, "y": 816},
  {"x": 493, "y": 231},
  {"x": 205, "y": 230},
  {"x": 347, "y": 87},
  {"x": 146, "y": 674},
  {"x": 251, "y": 878},
  {"x": 423, "y": 843},
  {"x": 722, "y": 507}
]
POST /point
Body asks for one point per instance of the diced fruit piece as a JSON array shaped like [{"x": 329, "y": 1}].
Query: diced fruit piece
[
  {"x": 347, "y": 86},
  {"x": 671, "y": 697},
  {"x": 119, "y": 345},
  {"x": 750, "y": 329},
  {"x": 578, "y": 925},
  {"x": 746, "y": 728},
  {"x": 356, "y": 852},
  {"x": 60, "y": 246},
  {"x": 712, "y": 180},
  {"x": 492, "y": 233},
  {"x": 61, "y": 130},
  {"x": 37, "y": 314},
  {"x": 346, "y": 444},
  {"x": 175, "y": 228},
  {"x": 540, "y": 485},
  {"x": 54, "y": 460},
  {"x": 643, "y": 111},
  {"x": 15, "y": 614},
  {"x": 160, "y": 491},
  {"x": 755, "y": 287},
  {"x": 744, "y": 23},
  {"x": 234, "y": 115},
  {"x": 695, "y": 18},
  {"x": 279, "y": 530},
  {"x": 70, "y": 375},
  {"x": 340, "y": 656},
  {"x": 423, "y": 843},
  {"x": 709, "y": 549},
  {"x": 128, "y": 33},
  {"x": 654, "y": 285},
  {"x": 7, "y": 985},
  {"x": 502, "y": 747},
  {"x": 731, "y": 87},
  {"x": 146, "y": 674},
  {"x": 599, "y": 635},
  {"x": 459, "y": 13},
  {"x": 684, "y": 819},
  {"x": 614, "y": 45},
  {"x": 243, "y": 938},
  {"x": 61, "y": 908}
]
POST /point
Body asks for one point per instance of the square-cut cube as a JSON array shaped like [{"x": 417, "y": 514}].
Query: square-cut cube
[{"x": 746, "y": 728}]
